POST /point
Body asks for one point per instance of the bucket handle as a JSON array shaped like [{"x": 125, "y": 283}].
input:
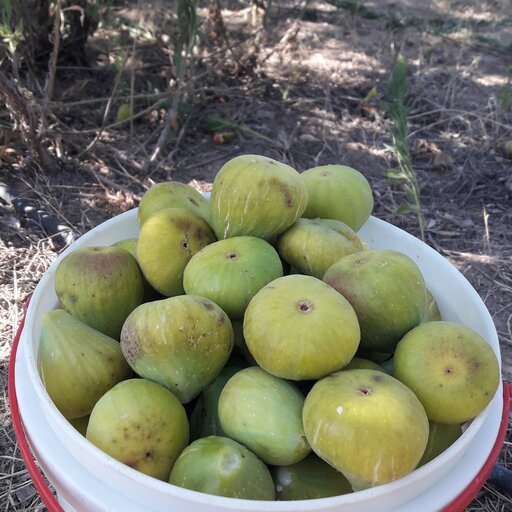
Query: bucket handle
[
  {"x": 35, "y": 474},
  {"x": 457, "y": 505}
]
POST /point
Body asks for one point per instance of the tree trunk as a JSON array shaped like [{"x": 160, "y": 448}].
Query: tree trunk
[{"x": 37, "y": 18}]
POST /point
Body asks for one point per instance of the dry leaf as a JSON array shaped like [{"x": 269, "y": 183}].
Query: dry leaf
[
  {"x": 9, "y": 155},
  {"x": 442, "y": 161}
]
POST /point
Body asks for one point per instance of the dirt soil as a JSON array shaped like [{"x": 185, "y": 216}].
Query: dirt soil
[{"x": 308, "y": 90}]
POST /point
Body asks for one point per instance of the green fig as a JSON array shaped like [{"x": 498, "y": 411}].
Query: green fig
[
  {"x": 440, "y": 438},
  {"x": 172, "y": 194},
  {"x": 338, "y": 192},
  {"x": 432, "y": 312},
  {"x": 366, "y": 424},
  {"x": 222, "y": 467},
  {"x": 388, "y": 365},
  {"x": 204, "y": 420},
  {"x": 167, "y": 242},
  {"x": 256, "y": 196},
  {"x": 141, "y": 424},
  {"x": 240, "y": 344},
  {"x": 78, "y": 364},
  {"x": 100, "y": 286},
  {"x": 130, "y": 245},
  {"x": 372, "y": 355},
  {"x": 299, "y": 328},
  {"x": 230, "y": 272},
  {"x": 80, "y": 424},
  {"x": 181, "y": 342},
  {"x": 387, "y": 291},
  {"x": 451, "y": 368},
  {"x": 263, "y": 412},
  {"x": 359, "y": 363},
  {"x": 311, "y": 478},
  {"x": 313, "y": 245}
]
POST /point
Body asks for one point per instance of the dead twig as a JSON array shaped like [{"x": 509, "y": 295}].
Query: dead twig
[
  {"x": 22, "y": 113},
  {"x": 107, "y": 108},
  {"x": 52, "y": 67}
]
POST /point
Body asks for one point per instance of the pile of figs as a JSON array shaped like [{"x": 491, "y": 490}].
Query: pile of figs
[{"x": 252, "y": 345}]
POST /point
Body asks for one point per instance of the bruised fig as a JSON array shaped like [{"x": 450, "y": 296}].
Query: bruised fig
[
  {"x": 263, "y": 412},
  {"x": 451, "y": 368},
  {"x": 141, "y": 424},
  {"x": 100, "y": 286},
  {"x": 167, "y": 242},
  {"x": 172, "y": 194},
  {"x": 222, "y": 467},
  {"x": 256, "y": 196},
  {"x": 181, "y": 342},
  {"x": 78, "y": 364},
  {"x": 366, "y": 424},
  {"x": 308, "y": 479},
  {"x": 313, "y": 245},
  {"x": 299, "y": 328},
  {"x": 387, "y": 291}
]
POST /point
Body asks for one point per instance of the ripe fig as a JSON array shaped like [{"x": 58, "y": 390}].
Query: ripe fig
[
  {"x": 440, "y": 438},
  {"x": 181, "y": 342},
  {"x": 231, "y": 271},
  {"x": 172, "y": 194},
  {"x": 387, "y": 291},
  {"x": 130, "y": 245},
  {"x": 100, "y": 286},
  {"x": 204, "y": 419},
  {"x": 80, "y": 424},
  {"x": 366, "y": 424},
  {"x": 141, "y": 424},
  {"x": 338, "y": 192},
  {"x": 256, "y": 196},
  {"x": 220, "y": 466},
  {"x": 360, "y": 363},
  {"x": 167, "y": 242},
  {"x": 263, "y": 412},
  {"x": 313, "y": 245},
  {"x": 310, "y": 478},
  {"x": 299, "y": 328},
  {"x": 432, "y": 312},
  {"x": 451, "y": 368},
  {"x": 78, "y": 364}
]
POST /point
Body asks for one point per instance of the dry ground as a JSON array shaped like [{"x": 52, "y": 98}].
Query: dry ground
[{"x": 295, "y": 92}]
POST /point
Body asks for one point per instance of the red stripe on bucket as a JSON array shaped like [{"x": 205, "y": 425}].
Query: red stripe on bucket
[
  {"x": 457, "y": 505},
  {"x": 46, "y": 495},
  {"x": 469, "y": 493}
]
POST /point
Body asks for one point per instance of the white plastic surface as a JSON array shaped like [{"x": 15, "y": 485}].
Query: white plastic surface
[{"x": 89, "y": 480}]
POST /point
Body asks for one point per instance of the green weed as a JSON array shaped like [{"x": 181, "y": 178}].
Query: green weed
[
  {"x": 506, "y": 92},
  {"x": 9, "y": 36},
  {"x": 397, "y": 109}
]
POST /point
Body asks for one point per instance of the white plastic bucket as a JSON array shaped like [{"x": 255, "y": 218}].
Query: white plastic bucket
[{"x": 86, "y": 479}]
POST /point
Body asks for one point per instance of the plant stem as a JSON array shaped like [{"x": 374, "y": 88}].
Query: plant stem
[{"x": 399, "y": 149}]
